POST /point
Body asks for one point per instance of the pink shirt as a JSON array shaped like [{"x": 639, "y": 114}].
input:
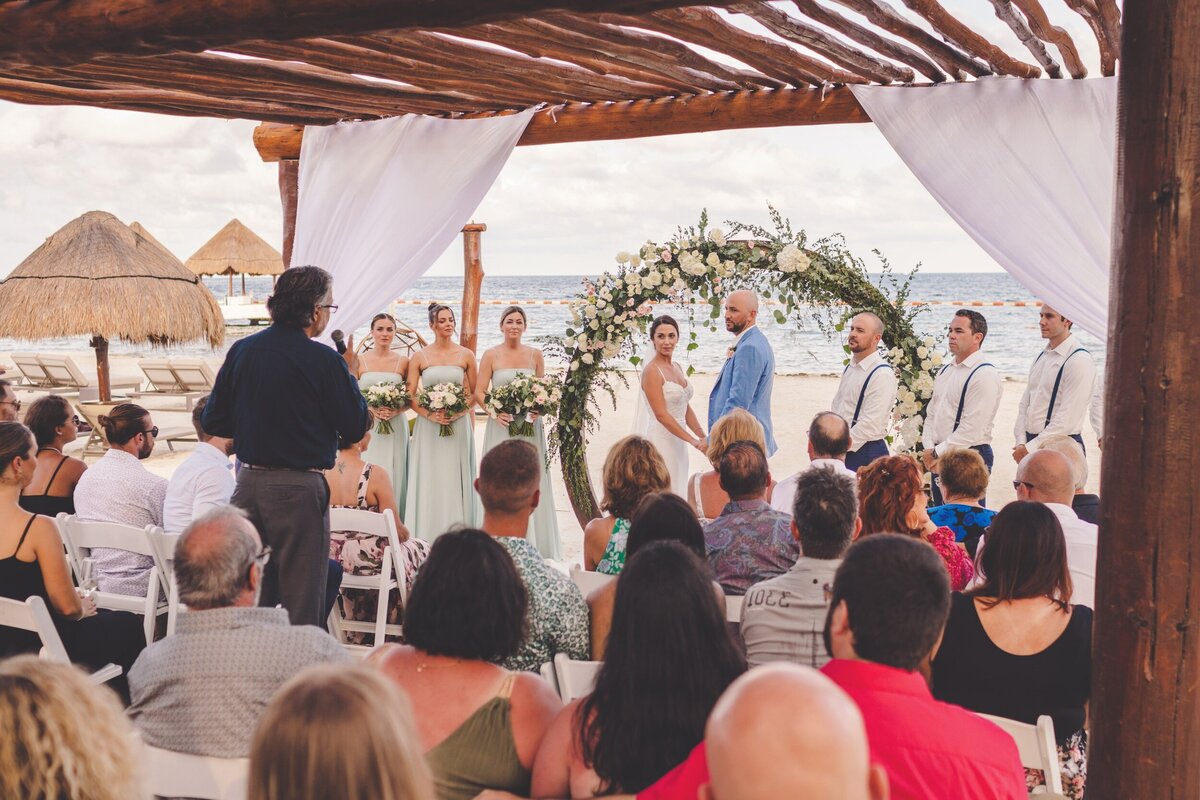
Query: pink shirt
[
  {"x": 931, "y": 750},
  {"x": 683, "y": 782}
]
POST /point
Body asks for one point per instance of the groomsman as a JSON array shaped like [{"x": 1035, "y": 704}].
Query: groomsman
[
  {"x": 1060, "y": 389},
  {"x": 966, "y": 396},
  {"x": 866, "y": 393}
]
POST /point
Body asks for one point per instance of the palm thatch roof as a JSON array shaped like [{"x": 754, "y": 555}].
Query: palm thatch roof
[
  {"x": 96, "y": 276},
  {"x": 141, "y": 231},
  {"x": 236, "y": 250}
]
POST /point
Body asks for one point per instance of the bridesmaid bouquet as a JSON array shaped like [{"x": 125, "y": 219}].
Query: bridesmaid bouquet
[
  {"x": 524, "y": 395},
  {"x": 448, "y": 397},
  {"x": 386, "y": 394}
]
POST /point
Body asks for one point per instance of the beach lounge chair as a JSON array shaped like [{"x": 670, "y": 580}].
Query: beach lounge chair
[
  {"x": 64, "y": 374},
  {"x": 96, "y": 444},
  {"x": 162, "y": 380},
  {"x": 31, "y": 369},
  {"x": 193, "y": 374}
]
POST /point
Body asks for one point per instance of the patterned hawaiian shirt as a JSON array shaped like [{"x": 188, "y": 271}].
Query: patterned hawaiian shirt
[
  {"x": 558, "y": 614},
  {"x": 968, "y": 522},
  {"x": 748, "y": 543}
]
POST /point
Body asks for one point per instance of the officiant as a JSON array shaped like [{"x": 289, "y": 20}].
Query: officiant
[{"x": 748, "y": 374}]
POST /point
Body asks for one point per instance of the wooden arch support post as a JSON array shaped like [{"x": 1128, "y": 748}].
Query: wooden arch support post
[
  {"x": 472, "y": 284},
  {"x": 1145, "y": 733}
]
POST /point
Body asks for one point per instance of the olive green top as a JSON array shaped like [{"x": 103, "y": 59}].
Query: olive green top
[{"x": 481, "y": 753}]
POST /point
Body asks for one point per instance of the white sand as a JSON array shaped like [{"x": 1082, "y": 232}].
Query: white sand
[{"x": 796, "y": 399}]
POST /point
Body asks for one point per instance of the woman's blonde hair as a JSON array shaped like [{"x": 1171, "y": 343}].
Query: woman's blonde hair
[
  {"x": 338, "y": 733},
  {"x": 64, "y": 737},
  {"x": 632, "y": 470},
  {"x": 738, "y": 425}
]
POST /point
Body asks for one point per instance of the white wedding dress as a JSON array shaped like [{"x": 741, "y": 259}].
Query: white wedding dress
[{"x": 673, "y": 449}]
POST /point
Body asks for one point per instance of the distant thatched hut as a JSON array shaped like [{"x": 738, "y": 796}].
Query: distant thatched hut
[
  {"x": 236, "y": 250},
  {"x": 98, "y": 277}
]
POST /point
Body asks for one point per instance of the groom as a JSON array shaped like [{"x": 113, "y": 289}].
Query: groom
[{"x": 745, "y": 380}]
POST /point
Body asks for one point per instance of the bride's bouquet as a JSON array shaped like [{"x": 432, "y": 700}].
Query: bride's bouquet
[
  {"x": 522, "y": 396},
  {"x": 386, "y": 394},
  {"x": 448, "y": 397}
]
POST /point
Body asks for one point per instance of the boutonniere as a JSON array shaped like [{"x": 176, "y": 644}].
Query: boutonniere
[{"x": 729, "y": 353}]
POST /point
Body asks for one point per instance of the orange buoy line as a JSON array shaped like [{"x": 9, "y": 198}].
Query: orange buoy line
[{"x": 959, "y": 303}]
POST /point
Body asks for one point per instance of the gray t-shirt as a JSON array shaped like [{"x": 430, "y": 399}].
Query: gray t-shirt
[{"x": 783, "y": 618}]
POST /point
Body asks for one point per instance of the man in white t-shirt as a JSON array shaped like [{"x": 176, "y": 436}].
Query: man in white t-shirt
[
  {"x": 203, "y": 482},
  {"x": 828, "y": 441}
]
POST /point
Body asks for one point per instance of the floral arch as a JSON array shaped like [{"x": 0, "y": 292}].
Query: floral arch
[{"x": 803, "y": 281}]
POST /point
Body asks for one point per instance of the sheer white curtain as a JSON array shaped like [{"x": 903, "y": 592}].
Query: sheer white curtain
[
  {"x": 379, "y": 201},
  {"x": 1026, "y": 167}
]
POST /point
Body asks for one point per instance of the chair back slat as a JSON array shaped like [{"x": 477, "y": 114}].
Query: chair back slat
[
  {"x": 1035, "y": 746},
  {"x": 589, "y": 582},
  {"x": 171, "y": 774},
  {"x": 32, "y": 615},
  {"x": 575, "y": 678}
]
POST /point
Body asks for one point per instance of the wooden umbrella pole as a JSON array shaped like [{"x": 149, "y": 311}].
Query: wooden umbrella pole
[
  {"x": 100, "y": 344},
  {"x": 243, "y": 283},
  {"x": 229, "y": 293},
  {"x": 472, "y": 284}
]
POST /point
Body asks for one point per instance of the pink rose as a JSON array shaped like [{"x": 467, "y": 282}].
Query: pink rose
[{"x": 666, "y": 255}]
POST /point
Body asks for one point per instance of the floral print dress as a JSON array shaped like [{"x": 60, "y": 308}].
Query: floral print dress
[
  {"x": 363, "y": 554},
  {"x": 958, "y": 563}
]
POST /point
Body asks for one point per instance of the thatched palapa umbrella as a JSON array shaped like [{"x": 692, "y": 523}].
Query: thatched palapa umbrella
[
  {"x": 235, "y": 249},
  {"x": 97, "y": 277}
]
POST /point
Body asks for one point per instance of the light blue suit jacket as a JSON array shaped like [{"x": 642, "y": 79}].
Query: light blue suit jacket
[{"x": 745, "y": 382}]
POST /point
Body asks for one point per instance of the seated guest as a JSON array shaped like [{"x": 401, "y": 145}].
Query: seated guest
[
  {"x": 670, "y": 656},
  {"x": 750, "y": 541},
  {"x": 479, "y": 724},
  {"x": 828, "y": 443},
  {"x": 33, "y": 564},
  {"x": 338, "y": 733},
  {"x": 117, "y": 488},
  {"x": 891, "y": 499},
  {"x": 660, "y": 517},
  {"x": 786, "y": 731},
  {"x": 964, "y": 479},
  {"x": 1086, "y": 506},
  {"x": 353, "y": 483},
  {"x": 52, "y": 490},
  {"x": 889, "y": 605},
  {"x": 704, "y": 489},
  {"x": 203, "y": 481},
  {"x": 783, "y": 618},
  {"x": 10, "y": 406},
  {"x": 632, "y": 470},
  {"x": 202, "y": 690},
  {"x": 65, "y": 738},
  {"x": 1014, "y": 645},
  {"x": 509, "y": 487},
  {"x": 1047, "y": 479}
]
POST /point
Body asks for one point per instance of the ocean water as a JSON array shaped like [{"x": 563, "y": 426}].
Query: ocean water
[{"x": 1011, "y": 344}]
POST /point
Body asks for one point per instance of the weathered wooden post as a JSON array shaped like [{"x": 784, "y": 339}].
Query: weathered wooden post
[
  {"x": 472, "y": 284},
  {"x": 1146, "y": 689},
  {"x": 289, "y": 195}
]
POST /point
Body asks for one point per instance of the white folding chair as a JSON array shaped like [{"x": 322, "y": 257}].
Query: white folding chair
[
  {"x": 733, "y": 607},
  {"x": 589, "y": 582},
  {"x": 575, "y": 678},
  {"x": 391, "y": 571},
  {"x": 33, "y": 616},
  {"x": 1036, "y": 747},
  {"x": 82, "y": 536},
  {"x": 171, "y": 774},
  {"x": 547, "y": 672},
  {"x": 163, "y": 545}
]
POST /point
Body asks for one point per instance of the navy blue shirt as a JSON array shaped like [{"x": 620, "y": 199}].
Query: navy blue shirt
[{"x": 283, "y": 399}]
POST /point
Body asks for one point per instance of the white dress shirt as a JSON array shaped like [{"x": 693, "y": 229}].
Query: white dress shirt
[
  {"x": 202, "y": 482},
  {"x": 1081, "y": 540},
  {"x": 784, "y": 493},
  {"x": 117, "y": 488},
  {"x": 1072, "y": 402},
  {"x": 880, "y": 398},
  {"x": 979, "y": 407}
]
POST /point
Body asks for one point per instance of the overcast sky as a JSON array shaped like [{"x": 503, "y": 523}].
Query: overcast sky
[{"x": 556, "y": 209}]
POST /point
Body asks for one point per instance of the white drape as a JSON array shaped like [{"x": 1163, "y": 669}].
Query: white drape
[
  {"x": 1026, "y": 167},
  {"x": 379, "y": 201}
]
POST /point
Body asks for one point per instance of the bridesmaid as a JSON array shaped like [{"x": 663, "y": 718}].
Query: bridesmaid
[
  {"x": 441, "y": 470},
  {"x": 498, "y": 366},
  {"x": 377, "y": 365}
]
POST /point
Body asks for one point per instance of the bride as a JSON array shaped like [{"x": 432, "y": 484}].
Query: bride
[{"x": 665, "y": 416}]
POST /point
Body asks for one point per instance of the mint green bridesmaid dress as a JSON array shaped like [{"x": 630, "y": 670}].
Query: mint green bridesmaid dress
[
  {"x": 441, "y": 469},
  {"x": 389, "y": 450},
  {"x": 543, "y": 525}
]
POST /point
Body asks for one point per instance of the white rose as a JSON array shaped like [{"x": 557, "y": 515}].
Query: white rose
[
  {"x": 713, "y": 260},
  {"x": 937, "y": 359},
  {"x": 717, "y": 236},
  {"x": 594, "y": 324},
  {"x": 569, "y": 342},
  {"x": 926, "y": 365},
  {"x": 588, "y": 358},
  {"x": 922, "y": 352},
  {"x": 623, "y": 257},
  {"x": 647, "y": 282},
  {"x": 589, "y": 311}
]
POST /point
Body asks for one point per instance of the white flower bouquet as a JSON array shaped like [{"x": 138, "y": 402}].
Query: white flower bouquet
[
  {"x": 386, "y": 394},
  {"x": 448, "y": 397},
  {"x": 522, "y": 396}
]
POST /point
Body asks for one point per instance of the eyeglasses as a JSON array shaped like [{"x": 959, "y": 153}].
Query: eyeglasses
[
  {"x": 331, "y": 306},
  {"x": 16, "y": 404},
  {"x": 263, "y": 557},
  {"x": 75, "y": 420},
  {"x": 152, "y": 431},
  {"x": 1018, "y": 484}
]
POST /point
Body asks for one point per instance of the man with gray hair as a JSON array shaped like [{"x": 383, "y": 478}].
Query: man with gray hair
[{"x": 203, "y": 689}]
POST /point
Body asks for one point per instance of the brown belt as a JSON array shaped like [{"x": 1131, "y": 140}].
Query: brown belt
[{"x": 281, "y": 469}]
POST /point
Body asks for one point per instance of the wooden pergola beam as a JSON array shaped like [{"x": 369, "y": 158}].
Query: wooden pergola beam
[
  {"x": 864, "y": 35},
  {"x": 70, "y": 32},
  {"x": 880, "y": 13},
  {"x": 1041, "y": 26},
  {"x": 642, "y": 118}
]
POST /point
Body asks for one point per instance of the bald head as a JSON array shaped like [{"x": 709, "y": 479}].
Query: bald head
[
  {"x": 828, "y": 436},
  {"x": 741, "y": 310},
  {"x": 1046, "y": 477},
  {"x": 1073, "y": 452},
  {"x": 215, "y": 559},
  {"x": 783, "y": 730},
  {"x": 869, "y": 321},
  {"x": 745, "y": 298}
]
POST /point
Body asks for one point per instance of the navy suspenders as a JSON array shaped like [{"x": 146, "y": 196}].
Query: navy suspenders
[
  {"x": 862, "y": 394},
  {"x": 1057, "y": 381},
  {"x": 962, "y": 399}
]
